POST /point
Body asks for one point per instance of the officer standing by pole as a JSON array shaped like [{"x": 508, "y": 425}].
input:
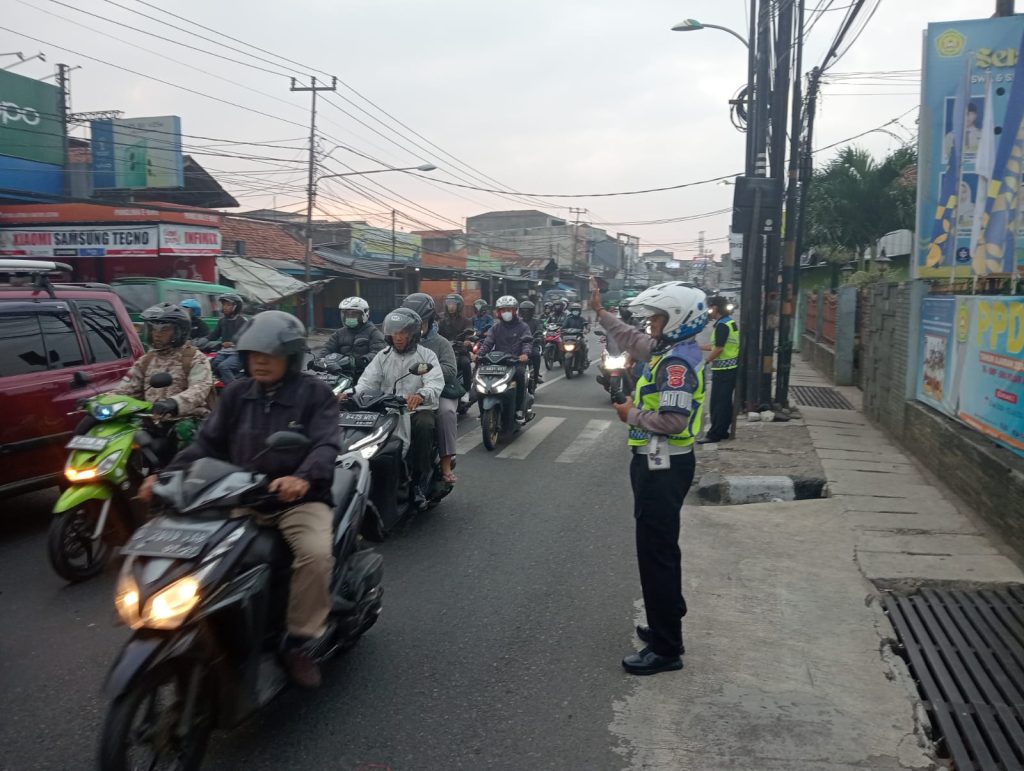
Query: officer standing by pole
[
  {"x": 724, "y": 357},
  {"x": 664, "y": 418}
]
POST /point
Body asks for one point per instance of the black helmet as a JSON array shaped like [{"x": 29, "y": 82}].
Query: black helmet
[
  {"x": 459, "y": 302},
  {"x": 575, "y": 307},
  {"x": 399, "y": 319},
  {"x": 624, "y": 312},
  {"x": 480, "y": 305},
  {"x": 164, "y": 315},
  {"x": 234, "y": 299},
  {"x": 422, "y": 305},
  {"x": 274, "y": 333},
  {"x": 527, "y": 309}
]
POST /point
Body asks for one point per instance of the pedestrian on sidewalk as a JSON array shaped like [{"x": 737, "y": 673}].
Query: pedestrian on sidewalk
[
  {"x": 663, "y": 423},
  {"x": 724, "y": 357}
]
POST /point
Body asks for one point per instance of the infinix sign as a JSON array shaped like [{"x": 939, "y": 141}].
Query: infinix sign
[{"x": 30, "y": 127}]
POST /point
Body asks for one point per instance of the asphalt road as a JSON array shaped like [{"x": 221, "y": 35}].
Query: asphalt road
[{"x": 507, "y": 609}]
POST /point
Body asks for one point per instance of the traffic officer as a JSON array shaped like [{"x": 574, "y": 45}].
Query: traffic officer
[
  {"x": 663, "y": 417},
  {"x": 724, "y": 357}
]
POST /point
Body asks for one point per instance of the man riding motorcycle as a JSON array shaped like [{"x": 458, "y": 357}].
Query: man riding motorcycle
[
  {"x": 526, "y": 313},
  {"x": 453, "y": 325},
  {"x": 482, "y": 321},
  {"x": 447, "y": 413},
  {"x": 357, "y": 337},
  {"x": 575, "y": 322},
  {"x": 167, "y": 334},
  {"x": 389, "y": 370},
  {"x": 226, "y": 364},
  {"x": 199, "y": 328},
  {"x": 511, "y": 335},
  {"x": 275, "y": 395}
]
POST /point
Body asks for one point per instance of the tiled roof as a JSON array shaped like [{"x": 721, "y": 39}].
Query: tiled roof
[{"x": 262, "y": 239}]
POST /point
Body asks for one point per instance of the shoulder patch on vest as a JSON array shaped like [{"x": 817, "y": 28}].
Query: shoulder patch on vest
[{"x": 676, "y": 375}]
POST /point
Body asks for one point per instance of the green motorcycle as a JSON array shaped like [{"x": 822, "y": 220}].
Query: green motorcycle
[{"x": 106, "y": 465}]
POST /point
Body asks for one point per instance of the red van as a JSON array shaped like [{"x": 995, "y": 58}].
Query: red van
[{"x": 58, "y": 343}]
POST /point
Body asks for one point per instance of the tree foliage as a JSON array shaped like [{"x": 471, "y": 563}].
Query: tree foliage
[{"x": 854, "y": 200}]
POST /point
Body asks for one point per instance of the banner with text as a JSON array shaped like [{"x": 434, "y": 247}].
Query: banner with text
[
  {"x": 971, "y": 363},
  {"x": 86, "y": 241}
]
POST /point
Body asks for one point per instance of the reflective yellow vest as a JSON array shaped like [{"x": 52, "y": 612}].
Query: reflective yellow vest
[
  {"x": 730, "y": 356},
  {"x": 647, "y": 397}
]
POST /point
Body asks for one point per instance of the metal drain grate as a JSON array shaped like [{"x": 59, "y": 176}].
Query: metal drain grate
[
  {"x": 966, "y": 651},
  {"x": 819, "y": 396}
]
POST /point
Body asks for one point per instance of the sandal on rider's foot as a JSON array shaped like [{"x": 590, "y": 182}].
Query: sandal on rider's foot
[{"x": 450, "y": 478}]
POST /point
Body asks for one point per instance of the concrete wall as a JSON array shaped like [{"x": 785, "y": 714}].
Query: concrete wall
[
  {"x": 988, "y": 477},
  {"x": 834, "y": 361}
]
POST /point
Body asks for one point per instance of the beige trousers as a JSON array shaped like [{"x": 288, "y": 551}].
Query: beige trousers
[{"x": 307, "y": 530}]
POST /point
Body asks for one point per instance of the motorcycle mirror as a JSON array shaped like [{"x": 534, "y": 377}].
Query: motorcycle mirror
[
  {"x": 161, "y": 380},
  {"x": 420, "y": 369},
  {"x": 287, "y": 440},
  {"x": 80, "y": 379}
]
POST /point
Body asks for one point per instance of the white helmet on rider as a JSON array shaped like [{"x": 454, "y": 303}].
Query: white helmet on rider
[
  {"x": 685, "y": 306},
  {"x": 507, "y": 307},
  {"x": 355, "y": 304}
]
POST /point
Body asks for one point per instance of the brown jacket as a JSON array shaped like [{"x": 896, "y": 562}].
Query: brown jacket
[{"x": 193, "y": 380}]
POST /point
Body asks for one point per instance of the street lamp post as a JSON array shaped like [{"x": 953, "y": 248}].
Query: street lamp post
[
  {"x": 691, "y": 25},
  {"x": 315, "y": 180}
]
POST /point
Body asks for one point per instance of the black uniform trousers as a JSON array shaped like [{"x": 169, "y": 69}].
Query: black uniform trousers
[
  {"x": 657, "y": 503},
  {"x": 723, "y": 384}
]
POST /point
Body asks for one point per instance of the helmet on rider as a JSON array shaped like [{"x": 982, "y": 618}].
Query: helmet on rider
[
  {"x": 272, "y": 333},
  {"x": 507, "y": 307},
  {"x": 624, "y": 311},
  {"x": 453, "y": 304},
  {"x": 167, "y": 326},
  {"x": 422, "y": 305},
  {"x": 526, "y": 310},
  {"x": 402, "y": 329},
  {"x": 558, "y": 306},
  {"x": 480, "y": 306},
  {"x": 193, "y": 307},
  {"x": 675, "y": 310},
  {"x": 575, "y": 309},
  {"x": 547, "y": 308},
  {"x": 230, "y": 304},
  {"x": 355, "y": 312}
]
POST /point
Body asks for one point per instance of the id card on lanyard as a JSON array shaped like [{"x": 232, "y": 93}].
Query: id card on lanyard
[{"x": 657, "y": 458}]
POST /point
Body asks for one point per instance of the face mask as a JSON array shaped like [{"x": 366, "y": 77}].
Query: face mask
[
  {"x": 351, "y": 323},
  {"x": 575, "y": 313},
  {"x": 506, "y": 316}
]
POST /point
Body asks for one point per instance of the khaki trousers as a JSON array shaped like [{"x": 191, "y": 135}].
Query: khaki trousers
[{"x": 307, "y": 530}]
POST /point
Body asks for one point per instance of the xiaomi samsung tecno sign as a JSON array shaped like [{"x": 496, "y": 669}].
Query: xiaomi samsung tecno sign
[{"x": 29, "y": 126}]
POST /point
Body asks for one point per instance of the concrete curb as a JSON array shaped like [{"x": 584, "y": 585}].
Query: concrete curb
[{"x": 714, "y": 488}]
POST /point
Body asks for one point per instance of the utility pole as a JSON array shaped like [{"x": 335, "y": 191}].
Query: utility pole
[
  {"x": 773, "y": 255},
  {"x": 806, "y": 170},
  {"x": 576, "y": 235},
  {"x": 1004, "y": 8},
  {"x": 394, "y": 216},
  {"x": 64, "y": 111},
  {"x": 790, "y": 268},
  {"x": 314, "y": 89}
]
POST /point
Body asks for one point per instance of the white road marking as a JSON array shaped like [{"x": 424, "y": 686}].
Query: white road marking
[
  {"x": 547, "y": 382},
  {"x": 469, "y": 440},
  {"x": 528, "y": 440},
  {"x": 582, "y": 444},
  {"x": 605, "y": 410}
]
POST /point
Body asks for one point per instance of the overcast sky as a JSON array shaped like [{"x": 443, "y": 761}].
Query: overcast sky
[{"x": 577, "y": 96}]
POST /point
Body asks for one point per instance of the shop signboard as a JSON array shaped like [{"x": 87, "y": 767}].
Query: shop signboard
[
  {"x": 380, "y": 244},
  {"x": 30, "y": 125},
  {"x": 189, "y": 241},
  {"x": 972, "y": 105},
  {"x": 972, "y": 363},
  {"x": 137, "y": 153},
  {"x": 81, "y": 241}
]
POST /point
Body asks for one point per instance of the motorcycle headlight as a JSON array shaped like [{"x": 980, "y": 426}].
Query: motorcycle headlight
[
  {"x": 500, "y": 388},
  {"x": 169, "y": 607},
  {"x": 570, "y": 346},
  {"x": 126, "y": 600},
  {"x": 107, "y": 411},
  {"x": 373, "y": 437},
  {"x": 730, "y": 307},
  {"x": 108, "y": 463},
  {"x": 615, "y": 362}
]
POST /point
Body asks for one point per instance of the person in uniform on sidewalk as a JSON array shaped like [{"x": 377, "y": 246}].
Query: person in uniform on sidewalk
[
  {"x": 724, "y": 358},
  {"x": 663, "y": 417}
]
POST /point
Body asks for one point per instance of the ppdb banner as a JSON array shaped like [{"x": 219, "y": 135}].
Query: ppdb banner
[{"x": 971, "y": 363}]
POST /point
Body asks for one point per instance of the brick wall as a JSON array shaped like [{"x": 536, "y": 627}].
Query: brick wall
[{"x": 885, "y": 328}]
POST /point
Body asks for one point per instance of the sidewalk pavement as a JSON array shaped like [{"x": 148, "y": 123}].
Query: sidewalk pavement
[{"x": 790, "y": 662}]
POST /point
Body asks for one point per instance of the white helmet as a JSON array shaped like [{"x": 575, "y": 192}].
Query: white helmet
[
  {"x": 356, "y": 304},
  {"x": 685, "y": 305},
  {"x": 507, "y": 301}
]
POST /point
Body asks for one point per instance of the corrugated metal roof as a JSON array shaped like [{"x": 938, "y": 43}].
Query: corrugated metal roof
[{"x": 258, "y": 281}]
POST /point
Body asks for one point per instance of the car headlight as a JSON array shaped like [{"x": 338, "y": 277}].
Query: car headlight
[{"x": 615, "y": 362}]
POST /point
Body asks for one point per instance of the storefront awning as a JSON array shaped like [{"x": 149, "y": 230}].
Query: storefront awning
[{"x": 258, "y": 281}]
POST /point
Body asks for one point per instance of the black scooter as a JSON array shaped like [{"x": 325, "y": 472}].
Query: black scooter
[
  {"x": 369, "y": 423},
  {"x": 206, "y": 594},
  {"x": 495, "y": 386}
]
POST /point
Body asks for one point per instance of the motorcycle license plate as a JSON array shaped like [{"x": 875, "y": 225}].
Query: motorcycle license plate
[
  {"x": 358, "y": 419},
  {"x": 93, "y": 443},
  {"x": 170, "y": 542},
  {"x": 494, "y": 369}
]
